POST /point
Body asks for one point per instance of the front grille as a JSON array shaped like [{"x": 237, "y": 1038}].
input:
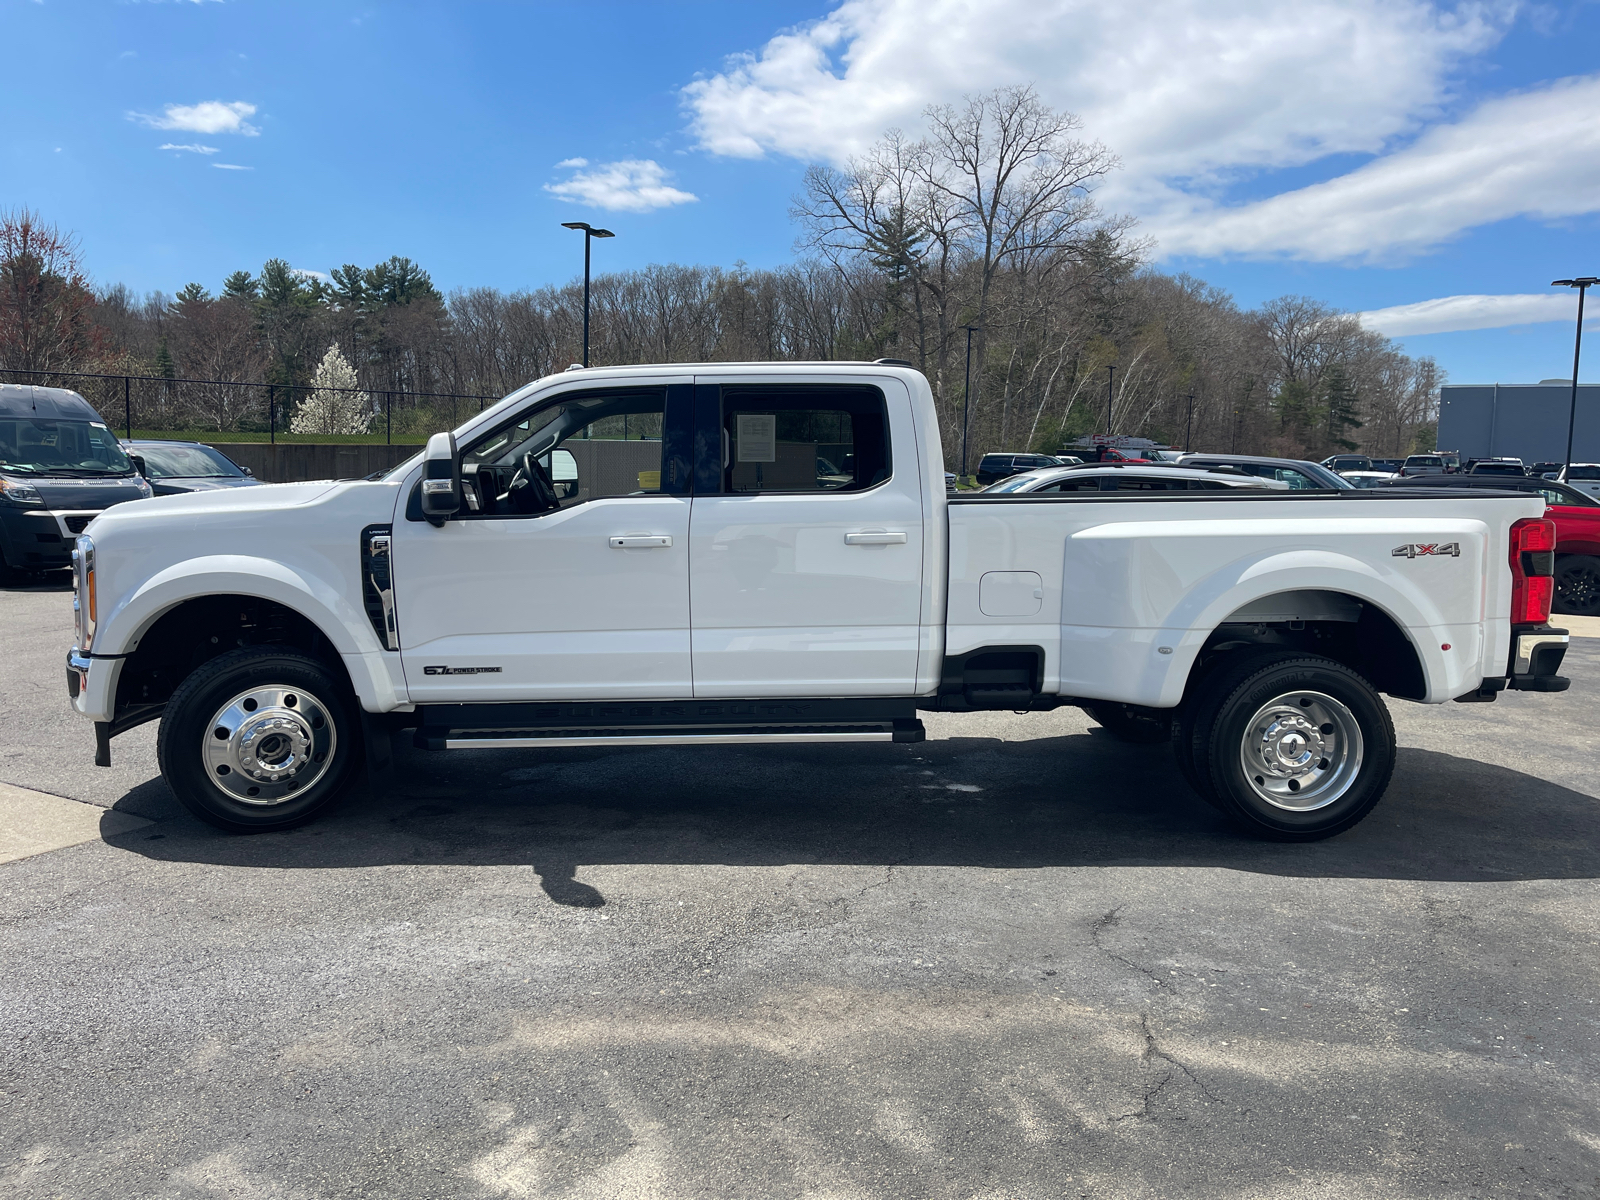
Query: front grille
[{"x": 77, "y": 524}]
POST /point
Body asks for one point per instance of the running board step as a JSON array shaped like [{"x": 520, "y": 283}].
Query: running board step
[
  {"x": 665, "y": 723},
  {"x": 522, "y": 739}
]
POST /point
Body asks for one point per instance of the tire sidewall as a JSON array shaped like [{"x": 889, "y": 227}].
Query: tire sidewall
[
  {"x": 188, "y": 718},
  {"x": 1227, "y": 775}
]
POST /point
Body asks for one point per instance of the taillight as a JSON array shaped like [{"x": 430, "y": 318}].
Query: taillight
[{"x": 1533, "y": 567}]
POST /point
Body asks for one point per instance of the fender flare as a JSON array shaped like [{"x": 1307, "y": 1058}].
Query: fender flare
[
  {"x": 345, "y": 627},
  {"x": 1211, "y": 602}
]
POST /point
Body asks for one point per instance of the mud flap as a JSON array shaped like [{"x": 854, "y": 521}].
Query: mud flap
[{"x": 377, "y": 737}]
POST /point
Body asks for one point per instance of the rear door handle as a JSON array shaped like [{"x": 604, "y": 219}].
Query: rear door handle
[
  {"x": 876, "y": 537},
  {"x": 638, "y": 541}
]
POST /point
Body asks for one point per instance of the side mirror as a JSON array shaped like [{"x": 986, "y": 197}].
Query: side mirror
[
  {"x": 441, "y": 479},
  {"x": 564, "y": 473},
  {"x": 138, "y": 465},
  {"x": 248, "y": 472}
]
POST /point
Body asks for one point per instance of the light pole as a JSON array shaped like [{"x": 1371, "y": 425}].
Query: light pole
[
  {"x": 1583, "y": 285},
  {"x": 1188, "y": 429},
  {"x": 966, "y": 399},
  {"x": 589, "y": 234}
]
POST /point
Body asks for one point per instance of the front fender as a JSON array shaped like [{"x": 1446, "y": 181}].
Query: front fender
[{"x": 316, "y": 599}]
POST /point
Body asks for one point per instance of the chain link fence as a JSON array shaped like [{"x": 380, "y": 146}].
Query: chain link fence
[{"x": 250, "y": 411}]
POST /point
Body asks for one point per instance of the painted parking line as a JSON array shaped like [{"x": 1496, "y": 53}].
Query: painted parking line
[
  {"x": 1577, "y": 626},
  {"x": 34, "y": 823}
]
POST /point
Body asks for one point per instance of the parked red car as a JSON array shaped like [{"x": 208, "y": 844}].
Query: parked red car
[{"x": 1577, "y": 518}]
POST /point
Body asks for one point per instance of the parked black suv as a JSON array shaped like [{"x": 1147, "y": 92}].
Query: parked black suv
[{"x": 59, "y": 467}]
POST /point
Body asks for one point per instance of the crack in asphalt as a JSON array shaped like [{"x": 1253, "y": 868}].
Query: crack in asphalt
[
  {"x": 1152, "y": 1048},
  {"x": 1110, "y": 920}
]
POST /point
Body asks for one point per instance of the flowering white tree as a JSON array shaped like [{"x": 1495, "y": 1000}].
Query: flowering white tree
[{"x": 334, "y": 406}]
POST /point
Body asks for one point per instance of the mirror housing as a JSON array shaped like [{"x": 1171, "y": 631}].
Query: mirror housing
[
  {"x": 563, "y": 473},
  {"x": 441, "y": 479},
  {"x": 139, "y": 465}
]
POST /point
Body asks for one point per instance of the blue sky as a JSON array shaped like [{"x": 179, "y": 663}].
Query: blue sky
[{"x": 1380, "y": 156}]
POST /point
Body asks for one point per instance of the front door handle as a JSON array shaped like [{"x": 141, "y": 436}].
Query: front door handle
[
  {"x": 876, "y": 537},
  {"x": 638, "y": 541}
]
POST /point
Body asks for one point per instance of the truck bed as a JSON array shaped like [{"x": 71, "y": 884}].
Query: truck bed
[{"x": 1123, "y": 590}]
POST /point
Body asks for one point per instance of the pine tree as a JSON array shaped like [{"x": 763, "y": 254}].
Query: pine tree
[
  {"x": 240, "y": 285},
  {"x": 1342, "y": 407},
  {"x": 895, "y": 249},
  {"x": 334, "y": 406},
  {"x": 165, "y": 367}
]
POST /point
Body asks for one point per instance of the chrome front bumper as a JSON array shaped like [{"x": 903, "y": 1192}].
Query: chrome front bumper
[{"x": 77, "y": 673}]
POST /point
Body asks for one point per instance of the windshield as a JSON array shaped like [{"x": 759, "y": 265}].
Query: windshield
[
  {"x": 187, "y": 462},
  {"x": 1015, "y": 484},
  {"x": 31, "y": 446}
]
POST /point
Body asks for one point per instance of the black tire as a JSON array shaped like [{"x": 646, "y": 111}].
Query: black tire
[
  {"x": 1281, "y": 707},
  {"x": 1129, "y": 723},
  {"x": 1578, "y": 585},
  {"x": 1183, "y": 754},
  {"x": 313, "y": 712}
]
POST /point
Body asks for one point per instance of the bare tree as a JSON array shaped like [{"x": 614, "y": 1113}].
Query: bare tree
[{"x": 45, "y": 300}]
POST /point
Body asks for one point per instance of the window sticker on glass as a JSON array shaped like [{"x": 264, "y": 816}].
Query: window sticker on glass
[{"x": 758, "y": 437}]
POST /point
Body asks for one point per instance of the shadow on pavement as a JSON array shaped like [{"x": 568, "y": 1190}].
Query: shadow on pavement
[
  {"x": 1081, "y": 800},
  {"x": 36, "y": 581}
]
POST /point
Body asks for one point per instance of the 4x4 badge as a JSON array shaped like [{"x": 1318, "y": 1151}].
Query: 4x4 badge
[{"x": 1413, "y": 550}]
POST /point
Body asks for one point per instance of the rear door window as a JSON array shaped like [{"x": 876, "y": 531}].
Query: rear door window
[{"x": 804, "y": 440}]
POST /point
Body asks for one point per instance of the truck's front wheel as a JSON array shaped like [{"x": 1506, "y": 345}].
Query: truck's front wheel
[
  {"x": 258, "y": 739},
  {"x": 1294, "y": 747}
]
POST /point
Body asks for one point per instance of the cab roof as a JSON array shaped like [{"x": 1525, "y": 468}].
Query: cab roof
[{"x": 45, "y": 403}]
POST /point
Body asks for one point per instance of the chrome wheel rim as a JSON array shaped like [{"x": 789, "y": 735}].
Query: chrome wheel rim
[
  {"x": 268, "y": 745},
  {"x": 1301, "y": 751}
]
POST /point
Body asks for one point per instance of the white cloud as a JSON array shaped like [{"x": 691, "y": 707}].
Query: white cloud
[
  {"x": 1183, "y": 86},
  {"x": 307, "y": 273},
  {"x": 1197, "y": 98},
  {"x": 191, "y": 147},
  {"x": 209, "y": 116},
  {"x": 1536, "y": 154},
  {"x": 633, "y": 185},
  {"x": 231, "y": 167},
  {"x": 572, "y": 162},
  {"x": 1449, "y": 314}
]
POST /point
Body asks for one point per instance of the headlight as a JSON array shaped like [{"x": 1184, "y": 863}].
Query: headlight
[
  {"x": 18, "y": 492},
  {"x": 144, "y": 487},
  {"x": 84, "y": 611}
]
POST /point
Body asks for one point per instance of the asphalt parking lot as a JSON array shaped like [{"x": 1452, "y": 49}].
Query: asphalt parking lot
[{"x": 1020, "y": 960}]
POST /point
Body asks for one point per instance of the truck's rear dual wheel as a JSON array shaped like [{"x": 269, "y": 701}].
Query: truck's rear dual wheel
[
  {"x": 1292, "y": 747},
  {"x": 258, "y": 739}
]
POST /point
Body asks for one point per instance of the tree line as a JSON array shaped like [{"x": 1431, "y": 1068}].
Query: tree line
[{"x": 984, "y": 231}]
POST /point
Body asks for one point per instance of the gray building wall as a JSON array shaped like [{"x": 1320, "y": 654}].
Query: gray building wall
[{"x": 1519, "y": 420}]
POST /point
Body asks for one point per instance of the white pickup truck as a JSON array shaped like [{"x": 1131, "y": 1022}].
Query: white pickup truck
[{"x": 671, "y": 555}]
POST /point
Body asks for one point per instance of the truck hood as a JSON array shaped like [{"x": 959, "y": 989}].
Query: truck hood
[
  {"x": 60, "y": 492},
  {"x": 186, "y": 509}
]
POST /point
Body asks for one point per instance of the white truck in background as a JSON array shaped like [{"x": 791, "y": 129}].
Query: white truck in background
[{"x": 673, "y": 555}]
